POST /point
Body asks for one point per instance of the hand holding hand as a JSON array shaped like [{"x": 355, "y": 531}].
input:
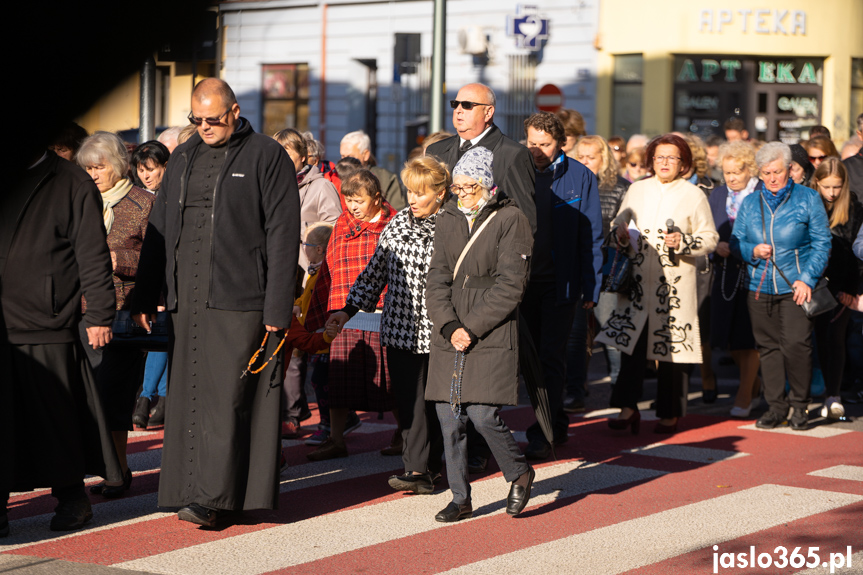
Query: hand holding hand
[
  {"x": 460, "y": 339},
  {"x": 99, "y": 336},
  {"x": 339, "y": 319},
  {"x": 802, "y": 292},
  {"x": 672, "y": 240},
  {"x": 332, "y": 330},
  {"x": 723, "y": 249},
  {"x": 763, "y": 251}
]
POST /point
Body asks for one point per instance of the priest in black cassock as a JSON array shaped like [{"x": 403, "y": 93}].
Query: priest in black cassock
[{"x": 224, "y": 232}]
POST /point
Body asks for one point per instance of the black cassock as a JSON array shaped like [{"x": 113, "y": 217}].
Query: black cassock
[{"x": 222, "y": 438}]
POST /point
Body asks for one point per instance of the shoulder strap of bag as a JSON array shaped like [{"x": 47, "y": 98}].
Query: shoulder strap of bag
[
  {"x": 470, "y": 243},
  {"x": 764, "y": 231}
]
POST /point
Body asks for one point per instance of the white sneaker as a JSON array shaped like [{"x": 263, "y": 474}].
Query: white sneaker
[
  {"x": 833, "y": 408},
  {"x": 741, "y": 412}
]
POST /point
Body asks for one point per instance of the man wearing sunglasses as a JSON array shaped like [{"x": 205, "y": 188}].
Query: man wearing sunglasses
[
  {"x": 224, "y": 238},
  {"x": 473, "y": 120}
]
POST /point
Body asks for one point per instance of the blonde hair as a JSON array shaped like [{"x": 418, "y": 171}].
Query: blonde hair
[
  {"x": 186, "y": 133},
  {"x": 609, "y": 169},
  {"x": 426, "y": 173},
  {"x": 434, "y": 138},
  {"x": 104, "y": 148},
  {"x": 699, "y": 154},
  {"x": 319, "y": 233},
  {"x": 832, "y": 166},
  {"x": 742, "y": 153}
]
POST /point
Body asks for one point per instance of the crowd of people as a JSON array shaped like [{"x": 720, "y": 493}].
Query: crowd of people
[{"x": 427, "y": 294}]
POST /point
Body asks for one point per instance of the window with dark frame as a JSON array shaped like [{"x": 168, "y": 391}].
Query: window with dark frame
[
  {"x": 627, "y": 96},
  {"x": 285, "y": 97}
]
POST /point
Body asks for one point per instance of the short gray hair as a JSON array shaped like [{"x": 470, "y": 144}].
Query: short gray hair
[
  {"x": 772, "y": 151},
  {"x": 104, "y": 148},
  {"x": 359, "y": 139},
  {"x": 170, "y": 135}
]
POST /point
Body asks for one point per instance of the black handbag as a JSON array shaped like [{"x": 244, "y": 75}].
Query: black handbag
[
  {"x": 821, "y": 300},
  {"x": 126, "y": 333},
  {"x": 619, "y": 272}
]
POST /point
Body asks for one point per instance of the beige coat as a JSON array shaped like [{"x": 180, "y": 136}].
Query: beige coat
[{"x": 665, "y": 300}]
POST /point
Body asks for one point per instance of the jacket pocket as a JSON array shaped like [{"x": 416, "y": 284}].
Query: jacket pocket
[
  {"x": 49, "y": 296},
  {"x": 261, "y": 267}
]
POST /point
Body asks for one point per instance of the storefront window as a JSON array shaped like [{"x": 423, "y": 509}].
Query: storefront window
[
  {"x": 628, "y": 80},
  {"x": 285, "y": 97}
]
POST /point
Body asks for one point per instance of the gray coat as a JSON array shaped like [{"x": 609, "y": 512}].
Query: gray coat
[{"x": 483, "y": 298}]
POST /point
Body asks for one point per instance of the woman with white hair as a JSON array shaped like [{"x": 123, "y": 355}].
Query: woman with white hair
[
  {"x": 476, "y": 280},
  {"x": 782, "y": 233},
  {"x": 125, "y": 212}
]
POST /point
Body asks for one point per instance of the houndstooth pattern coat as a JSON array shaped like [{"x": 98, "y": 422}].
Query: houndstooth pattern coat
[{"x": 401, "y": 261}]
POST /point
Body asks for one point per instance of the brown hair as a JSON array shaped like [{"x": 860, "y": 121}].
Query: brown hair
[
  {"x": 293, "y": 139},
  {"x": 319, "y": 233},
  {"x": 548, "y": 123},
  {"x": 363, "y": 181},
  {"x": 426, "y": 173},
  {"x": 699, "y": 154},
  {"x": 573, "y": 122},
  {"x": 842, "y": 206},
  {"x": 824, "y": 144},
  {"x": 671, "y": 140}
]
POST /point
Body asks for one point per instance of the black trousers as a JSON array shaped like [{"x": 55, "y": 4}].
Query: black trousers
[
  {"x": 422, "y": 446},
  {"x": 831, "y": 335},
  {"x": 672, "y": 382},
  {"x": 783, "y": 335},
  {"x": 549, "y": 325}
]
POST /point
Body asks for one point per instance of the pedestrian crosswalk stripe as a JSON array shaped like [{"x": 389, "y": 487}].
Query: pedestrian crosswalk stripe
[
  {"x": 666, "y": 534},
  {"x": 849, "y": 472},
  {"x": 819, "y": 432}
]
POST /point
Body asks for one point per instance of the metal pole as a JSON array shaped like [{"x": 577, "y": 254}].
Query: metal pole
[
  {"x": 438, "y": 79},
  {"x": 147, "y": 125}
]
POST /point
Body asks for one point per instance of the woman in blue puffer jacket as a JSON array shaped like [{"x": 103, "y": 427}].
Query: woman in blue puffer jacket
[{"x": 782, "y": 229}]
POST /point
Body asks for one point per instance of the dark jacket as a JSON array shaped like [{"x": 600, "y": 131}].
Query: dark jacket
[
  {"x": 798, "y": 232},
  {"x": 56, "y": 250},
  {"x": 610, "y": 198},
  {"x": 854, "y": 165},
  {"x": 844, "y": 270},
  {"x": 576, "y": 221},
  {"x": 483, "y": 298},
  {"x": 390, "y": 187},
  {"x": 513, "y": 167},
  {"x": 256, "y": 230}
]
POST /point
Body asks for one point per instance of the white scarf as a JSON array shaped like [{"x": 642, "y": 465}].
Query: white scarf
[{"x": 111, "y": 198}]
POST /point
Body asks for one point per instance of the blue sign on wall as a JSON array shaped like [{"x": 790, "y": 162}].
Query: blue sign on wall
[{"x": 528, "y": 27}]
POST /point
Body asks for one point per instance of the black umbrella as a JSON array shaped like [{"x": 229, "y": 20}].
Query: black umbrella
[{"x": 531, "y": 369}]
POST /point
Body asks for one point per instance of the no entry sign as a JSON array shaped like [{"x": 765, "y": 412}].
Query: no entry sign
[{"x": 549, "y": 98}]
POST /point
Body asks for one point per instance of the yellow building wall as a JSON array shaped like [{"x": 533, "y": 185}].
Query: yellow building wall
[{"x": 658, "y": 30}]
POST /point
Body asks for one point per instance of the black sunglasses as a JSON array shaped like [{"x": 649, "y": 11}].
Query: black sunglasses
[
  {"x": 465, "y": 105},
  {"x": 211, "y": 121}
]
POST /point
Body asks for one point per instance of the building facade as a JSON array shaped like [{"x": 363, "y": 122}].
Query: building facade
[{"x": 781, "y": 67}]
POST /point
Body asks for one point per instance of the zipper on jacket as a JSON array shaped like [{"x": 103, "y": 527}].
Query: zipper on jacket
[
  {"x": 213, "y": 226},
  {"x": 797, "y": 259}
]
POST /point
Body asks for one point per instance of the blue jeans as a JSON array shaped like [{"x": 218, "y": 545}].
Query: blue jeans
[{"x": 156, "y": 375}]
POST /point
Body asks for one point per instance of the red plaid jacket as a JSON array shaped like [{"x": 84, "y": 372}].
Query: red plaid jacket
[{"x": 351, "y": 246}]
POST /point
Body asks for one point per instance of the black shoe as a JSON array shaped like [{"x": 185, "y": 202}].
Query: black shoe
[
  {"x": 419, "y": 484},
  {"x": 708, "y": 395},
  {"x": 113, "y": 491},
  {"x": 800, "y": 420},
  {"x": 199, "y": 515},
  {"x": 157, "y": 414},
  {"x": 573, "y": 405},
  {"x": 71, "y": 514},
  {"x": 4, "y": 525},
  {"x": 454, "y": 512},
  {"x": 537, "y": 450},
  {"x": 141, "y": 415},
  {"x": 477, "y": 464},
  {"x": 518, "y": 496},
  {"x": 305, "y": 413},
  {"x": 769, "y": 420}
]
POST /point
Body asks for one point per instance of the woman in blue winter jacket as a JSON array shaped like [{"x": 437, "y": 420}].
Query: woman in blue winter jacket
[{"x": 782, "y": 233}]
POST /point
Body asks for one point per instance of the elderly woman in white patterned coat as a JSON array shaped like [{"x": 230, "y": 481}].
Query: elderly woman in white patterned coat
[
  {"x": 665, "y": 223},
  {"x": 401, "y": 261}
]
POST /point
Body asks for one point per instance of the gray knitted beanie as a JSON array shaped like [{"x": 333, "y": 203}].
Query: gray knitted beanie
[{"x": 476, "y": 163}]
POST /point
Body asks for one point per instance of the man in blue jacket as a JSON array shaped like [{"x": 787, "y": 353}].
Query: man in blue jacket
[{"x": 566, "y": 265}]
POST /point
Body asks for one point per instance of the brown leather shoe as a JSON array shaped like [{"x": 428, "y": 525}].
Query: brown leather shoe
[{"x": 329, "y": 449}]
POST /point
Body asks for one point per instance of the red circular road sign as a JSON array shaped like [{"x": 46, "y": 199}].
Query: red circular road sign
[{"x": 549, "y": 98}]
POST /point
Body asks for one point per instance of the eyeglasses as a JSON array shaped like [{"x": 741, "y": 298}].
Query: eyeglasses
[
  {"x": 458, "y": 189},
  {"x": 311, "y": 245},
  {"x": 465, "y": 105},
  {"x": 211, "y": 121},
  {"x": 664, "y": 159}
]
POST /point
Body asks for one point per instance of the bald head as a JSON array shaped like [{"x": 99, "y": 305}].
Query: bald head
[
  {"x": 471, "y": 123},
  {"x": 212, "y": 88}
]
